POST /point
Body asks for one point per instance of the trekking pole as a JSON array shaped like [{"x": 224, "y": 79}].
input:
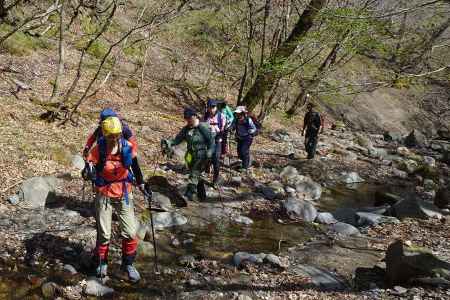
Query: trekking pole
[{"x": 148, "y": 198}]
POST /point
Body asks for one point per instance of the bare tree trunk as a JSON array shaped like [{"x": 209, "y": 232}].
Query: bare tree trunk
[
  {"x": 266, "y": 78},
  {"x": 263, "y": 43},
  {"x": 61, "y": 53},
  {"x": 329, "y": 60}
]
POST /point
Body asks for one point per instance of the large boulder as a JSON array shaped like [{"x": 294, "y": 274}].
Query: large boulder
[
  {"x": 351, "y": 177},
  {"x": 300, "y": 209},
  {"x": 344, "y": 229},
  {"x": 325, "y": 218},
  {"x": 442, "y": 199},
  {"x": 288, "y": 174},
  {"x": 404, "y": 264},
  {"x": 416, "y": 139},
  {"x": 162, "y": 201},
  {"x": 372, "y": 219},
  {"x": 35, "y": 192},
  {"x": 168, "y": 219},
  {"x": 94, "y": 287},
  {"x": 346, "y": 215},
  {"x": 281, "y": 136},
  {"x": 390, "y": 136},
  {"x": 308, "y": 189},
  {"x": 415, "y": 208}
]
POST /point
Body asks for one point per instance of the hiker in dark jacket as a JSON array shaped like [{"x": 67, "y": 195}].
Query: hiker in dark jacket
[
  {"x": 200, "y": 150},
  {"x": 313, "y": 124},
  {"x": 245, "y": 130}
]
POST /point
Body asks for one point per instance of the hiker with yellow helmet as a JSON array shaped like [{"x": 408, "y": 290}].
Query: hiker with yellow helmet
[
  {"x": 200, "y": 150},
  {"x": 116, "y": 167}
]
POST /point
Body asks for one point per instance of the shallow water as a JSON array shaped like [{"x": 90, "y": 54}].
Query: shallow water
[{"x": 218, "y": 240}]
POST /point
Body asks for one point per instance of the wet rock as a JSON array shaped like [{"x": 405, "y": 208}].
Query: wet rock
[
  {"x": 349, "y": 178},
  {"x": 371, "y": 219},
  {"x": 162, "y": 201},
  {"x": 442, "y": 198},
  {"x": 78, "y": 162},
  {"x": 415, "y": 208},
  {"x": 300, "y": 209},
  {"x": 70, "y": 269},
  {"x": 240, "y": 257},
  {"x": 168, "y": 219},
  {"x": 380, "y": 210},
  {"x": 404, "y": 264},
  {"x": 321, "y": 278},
  {"x": 344, "y": 229},
  {"x": 308, "y": 189},
  {"x": 243, "y": 220},
  {"x": 346, "y": 215},
  {"x": 386, "y": 198},
  {"x": 325, "y": 218},
  {"x": 416, "y": 139},
  {"x": 94, "y": 287},
  {"x": 14, "y": 199},
  {"x": 35, "y": 192}
]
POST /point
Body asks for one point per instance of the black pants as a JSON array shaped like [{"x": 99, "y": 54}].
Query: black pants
[
  {"x": 243, "y": 149},
  {"x": 311, "y": 139}
]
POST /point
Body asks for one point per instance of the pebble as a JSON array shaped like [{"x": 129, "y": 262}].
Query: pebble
[
  {"x": 193, "y": 282},
  {"x": 399, "y": 290}
]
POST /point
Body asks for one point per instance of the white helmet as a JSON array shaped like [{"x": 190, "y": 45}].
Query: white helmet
[{"x": 240, "y": 109}]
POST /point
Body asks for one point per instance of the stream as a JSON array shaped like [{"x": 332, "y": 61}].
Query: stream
[{"x": 214, "y": 241}]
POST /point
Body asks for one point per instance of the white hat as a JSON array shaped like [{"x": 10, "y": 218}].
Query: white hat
[{"x": 240, "y": 109}]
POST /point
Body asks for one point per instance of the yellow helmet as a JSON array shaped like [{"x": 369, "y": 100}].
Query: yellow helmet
[{"x": 111, "y": 126}]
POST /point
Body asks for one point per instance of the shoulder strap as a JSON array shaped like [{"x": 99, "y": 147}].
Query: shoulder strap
[
  {"x": 220, "y": 120},
  {"x": 102, "y": 154}
]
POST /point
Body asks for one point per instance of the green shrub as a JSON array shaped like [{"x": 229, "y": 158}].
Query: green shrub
[
  {"x": 21, "y": 44},
  {"x": 132, "y": 83}
]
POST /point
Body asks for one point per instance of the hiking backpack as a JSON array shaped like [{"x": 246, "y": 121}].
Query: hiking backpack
[{"x": 255, "y": 121}]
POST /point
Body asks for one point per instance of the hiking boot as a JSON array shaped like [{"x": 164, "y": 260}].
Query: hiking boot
[
  {"x": 102, "y": 270},
  {"x": 133, "y": 274}
]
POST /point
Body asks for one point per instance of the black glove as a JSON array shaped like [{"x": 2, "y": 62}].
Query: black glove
[
  {"x": 88, "y": 173},
  {"x": 166, "y": 148},
  {"x": 148, "y": 193}
]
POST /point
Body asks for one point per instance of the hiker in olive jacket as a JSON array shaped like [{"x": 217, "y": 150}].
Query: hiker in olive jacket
[{"x": 200, "y": 150}]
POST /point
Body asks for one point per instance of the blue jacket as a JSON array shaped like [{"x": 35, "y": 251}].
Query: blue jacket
[{"x": 244, "y": 129}]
